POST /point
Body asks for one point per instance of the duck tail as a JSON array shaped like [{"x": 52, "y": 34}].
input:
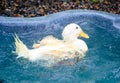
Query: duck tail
[{"x": 20, "y": 48}]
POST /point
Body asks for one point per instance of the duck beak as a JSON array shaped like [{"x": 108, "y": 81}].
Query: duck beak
[{"x": 84, "y": 35}]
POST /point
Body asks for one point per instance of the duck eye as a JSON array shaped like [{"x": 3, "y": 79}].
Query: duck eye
[{"x": 76, "y": 27}]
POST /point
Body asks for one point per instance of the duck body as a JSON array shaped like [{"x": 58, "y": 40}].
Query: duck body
[
  {"x": 58, "y": 51},
  {"x": 53, "y": 48}
]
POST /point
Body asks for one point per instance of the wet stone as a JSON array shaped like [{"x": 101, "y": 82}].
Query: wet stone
[
  {"x": 37, "y": 12},
  {"x": 31, "y": 15},
  {"x": 42, "y": 11}
]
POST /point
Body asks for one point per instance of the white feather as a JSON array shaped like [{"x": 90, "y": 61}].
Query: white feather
[{"x": 53, "y": 48}]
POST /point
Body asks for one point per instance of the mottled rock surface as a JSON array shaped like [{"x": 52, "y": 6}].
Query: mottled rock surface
[{"x": 32, "y": 8}]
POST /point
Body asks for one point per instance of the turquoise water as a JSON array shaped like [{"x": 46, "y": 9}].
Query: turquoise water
[{"x": 100, "y": 65}]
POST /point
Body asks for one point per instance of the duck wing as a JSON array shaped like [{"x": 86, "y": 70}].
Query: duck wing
[{"x": 48, "y": 41}]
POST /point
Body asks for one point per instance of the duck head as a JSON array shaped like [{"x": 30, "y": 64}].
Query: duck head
[{"x": 72, "y": 31}]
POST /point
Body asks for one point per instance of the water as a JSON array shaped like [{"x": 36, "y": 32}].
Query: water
[{"x": 100, "y": 65}]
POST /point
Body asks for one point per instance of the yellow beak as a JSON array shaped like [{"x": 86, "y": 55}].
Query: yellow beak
[{"x": 84, "y": 35}]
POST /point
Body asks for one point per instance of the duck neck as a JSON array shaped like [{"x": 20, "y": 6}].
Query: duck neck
[{"x": 70, "y": 39}]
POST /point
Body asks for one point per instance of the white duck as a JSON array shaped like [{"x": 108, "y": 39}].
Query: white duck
[{"x": 50, "y": 47}]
